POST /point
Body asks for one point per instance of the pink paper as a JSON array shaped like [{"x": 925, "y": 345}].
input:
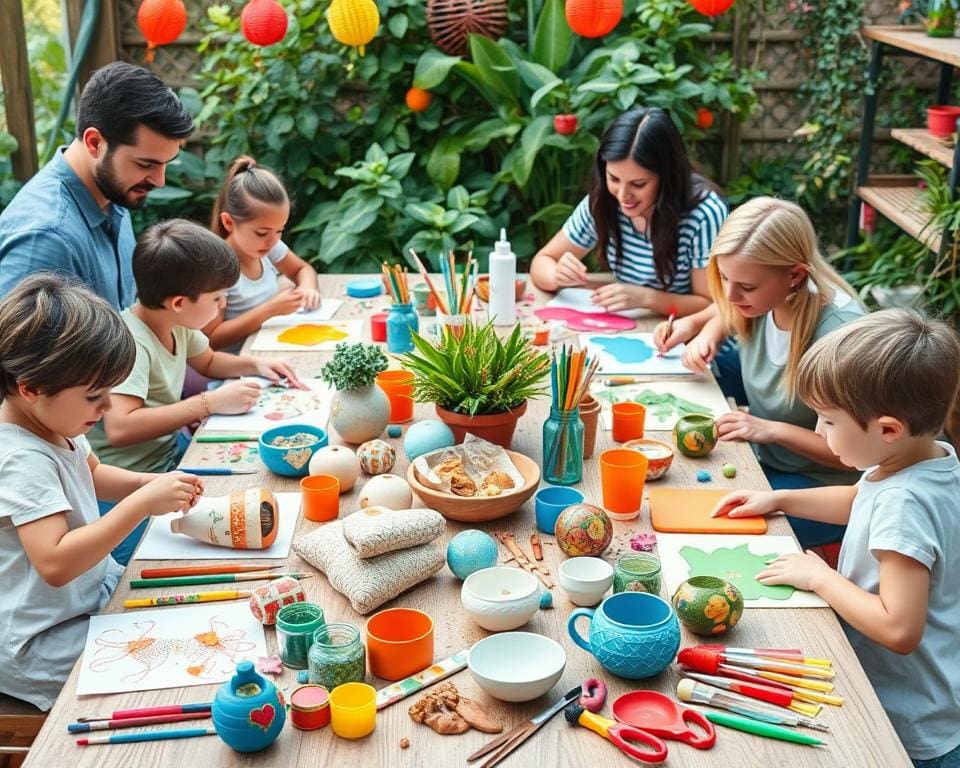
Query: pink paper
[{"x": 586, "y": 321}]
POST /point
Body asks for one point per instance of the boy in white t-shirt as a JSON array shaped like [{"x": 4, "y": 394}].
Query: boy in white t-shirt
[{"x": 882, "y": 387}]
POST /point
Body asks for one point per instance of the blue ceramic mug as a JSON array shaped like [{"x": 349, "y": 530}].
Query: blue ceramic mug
[
  {"x": 632, "y": 634},
  {"x": 550, "y": 501}
]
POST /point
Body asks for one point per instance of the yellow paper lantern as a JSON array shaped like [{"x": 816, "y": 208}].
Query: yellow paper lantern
[{"x": 353, "y": 22}]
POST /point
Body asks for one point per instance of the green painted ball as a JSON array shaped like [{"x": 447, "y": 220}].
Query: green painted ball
[
  {"x": 729, "y": 471},
  {"x": 707, "y": 605},
  {"x": 695, "y": 435}
]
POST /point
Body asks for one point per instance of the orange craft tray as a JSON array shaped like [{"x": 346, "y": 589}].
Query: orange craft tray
[{"x": 685, "y": 510}]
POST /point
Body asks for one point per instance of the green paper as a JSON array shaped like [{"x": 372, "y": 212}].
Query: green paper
[
  {"x": 664, "y": 407},
  {"x": 739, "y": 566}
]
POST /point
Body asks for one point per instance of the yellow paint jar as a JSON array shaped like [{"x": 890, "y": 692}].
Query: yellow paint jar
[{"x": 353, "y": 710}]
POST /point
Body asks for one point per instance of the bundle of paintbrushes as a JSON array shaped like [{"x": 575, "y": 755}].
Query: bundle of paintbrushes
[
  {"x": 570, "y": 374},
  {"x": 395, "y": 280},
  {"x": 458, "y": 286}
]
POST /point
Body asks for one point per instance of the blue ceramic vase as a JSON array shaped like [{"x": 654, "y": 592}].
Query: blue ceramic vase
[
  {"x": 248, "y": 711},
  {"x": 400, "y": 321},
  {"x": 632, "y": 634}
]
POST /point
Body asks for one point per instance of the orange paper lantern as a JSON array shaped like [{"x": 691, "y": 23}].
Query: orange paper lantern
[
  {"x": 263, "y": 22},
  {"x": 161, "y": 22},
  {"x": 711, "y": 7},
  {"x": 594, "y": 18}
]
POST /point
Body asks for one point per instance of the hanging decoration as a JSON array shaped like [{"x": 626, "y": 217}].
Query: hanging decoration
[
  {"x": 353, "y": 22},
  {"x": 263, "y": 22},
  {"x": 712, "y": 7},
  {"x": 450, "y": 21},
  {"x": 594, "y": 18},
  {"x": 161, "y": 22}
]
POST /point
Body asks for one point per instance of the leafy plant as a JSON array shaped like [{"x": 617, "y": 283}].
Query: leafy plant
[
  {"x": 354, "y": 366},
  {"x": 477, "y": 372}
]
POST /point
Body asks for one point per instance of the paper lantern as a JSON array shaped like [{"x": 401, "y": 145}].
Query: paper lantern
[
  {"x": 711, "y": 7},
  {"x": 450, "y": 21},
  {"x": 263, "y": 22},
  {"x": 161, "y": 22},
  {"x": 353, "y": 22},
  {"x": 594, "y": 18}
]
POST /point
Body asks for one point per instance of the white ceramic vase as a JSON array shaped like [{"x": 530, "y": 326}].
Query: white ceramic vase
[
  {"x": 360, "y": 414},
  {"x": 243, "y": 520}
]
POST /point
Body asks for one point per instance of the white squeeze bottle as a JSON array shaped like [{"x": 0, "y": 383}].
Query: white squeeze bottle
[{"x": 502, "y": 306}]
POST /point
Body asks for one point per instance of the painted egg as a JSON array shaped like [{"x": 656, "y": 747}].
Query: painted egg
[
  {"x": 376, "y": 457},
  {"x": 387, "y": 491},
  {"x": 707, "y": 605},
  {"x": 339, "y": 461},
  {"x": 583, "y": 530},
  {"x": 471, "y": 551},
  {"x": 695, "y": 435},
  {"x": 425, "y": 436}
]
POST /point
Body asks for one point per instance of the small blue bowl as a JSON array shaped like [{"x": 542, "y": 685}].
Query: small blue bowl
[
  {"x": 550, "y": 501},
  {"x": 290, "y": 462}
]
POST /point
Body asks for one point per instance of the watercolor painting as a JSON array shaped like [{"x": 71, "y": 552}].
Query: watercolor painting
[
  {"x": 173, "y": 648},
  {"x": 665, "y": 401},
  {"x": 277, "y": 404},
  {"x": 306, "y": 337},
  {"x": 633, "y": 354},
  {"x": 735, "y": 558}
]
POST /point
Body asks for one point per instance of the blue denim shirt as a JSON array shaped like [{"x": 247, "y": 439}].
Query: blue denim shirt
[{"x": 54, "y": 224}]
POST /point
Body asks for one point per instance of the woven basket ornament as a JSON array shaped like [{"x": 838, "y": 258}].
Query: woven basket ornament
[
  {"x": 711, "y": 7},
  {"x": 353, "y": 22},
  {"x": 594, "y": 18},
  {"x": 263, "y": 22},
  {"x": 450, "y": 21},
  {"x": 161, "y": 22}
]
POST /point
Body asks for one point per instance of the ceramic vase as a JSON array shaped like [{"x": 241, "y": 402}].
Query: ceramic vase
[
  {"x": 707, "y": 605},
  {"x": 248, "y": 710},
  {"x": 695, "y": 435},
  {"x": 243, "y": 520},
  {"x": 360, "y": 414}
]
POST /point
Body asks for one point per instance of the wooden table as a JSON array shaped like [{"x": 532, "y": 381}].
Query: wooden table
[{"x": 860, "y": 732}]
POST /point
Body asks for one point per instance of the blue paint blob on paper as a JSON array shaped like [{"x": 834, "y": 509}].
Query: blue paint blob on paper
[{"x": 624, "y": 350}]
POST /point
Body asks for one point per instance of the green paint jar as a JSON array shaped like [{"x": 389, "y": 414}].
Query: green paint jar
[
  {"x": 337, "y": 656},
  {"x": 637, "y": 572},
  {"x": 296, "y": 625}
]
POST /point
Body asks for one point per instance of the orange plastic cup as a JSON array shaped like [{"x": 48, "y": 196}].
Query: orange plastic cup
[
  {"x": 399, "y": 643},
  {"x": 321, "y": 497},
  {"x": 399, "y": 388},
  {"x": 622, "y": 476},
  {"x": 628, "y": 421}
]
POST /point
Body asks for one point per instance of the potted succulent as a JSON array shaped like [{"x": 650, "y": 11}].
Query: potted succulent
[
  {"x": 478, "y": 382},
  {"x": 360, "y": 409}
]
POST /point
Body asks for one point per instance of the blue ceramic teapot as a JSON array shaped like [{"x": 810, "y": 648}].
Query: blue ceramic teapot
[
  {"x": 248, "y": 710},
  {"x": 632, "y": 634}
]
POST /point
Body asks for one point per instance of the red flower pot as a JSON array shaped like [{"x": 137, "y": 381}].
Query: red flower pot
[{"x": 942, "y": 120}]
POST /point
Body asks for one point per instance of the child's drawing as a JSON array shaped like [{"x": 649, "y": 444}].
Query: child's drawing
[
  {"x": 278, "y": 404},
  {"x": 632, "y": 353},
  {"x": 665, "y": 401},
  {"x": 307, "y": 337}
]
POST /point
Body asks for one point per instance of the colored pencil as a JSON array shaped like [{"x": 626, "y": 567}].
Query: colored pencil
[
  {"x": 787, "y": 654},
  {"x": 227, "y": 438},
  {"x": 216, "y": 471},
  {"x": 205, "y": 570},
  {"x": 197, "y": 597},
  {"x": 782, "y": 697},
  {"x": 761, "y": 729},
  {"x": 798, "y": 684},
  {"x": 130, "y": 738},
  {"x": 224, "y": 578},
  {"x": 702, "y": 693},
  {"x": 168, "y": 709},
  {"x": 666, "y": 335},
  {"x": 134, "y": 722}
]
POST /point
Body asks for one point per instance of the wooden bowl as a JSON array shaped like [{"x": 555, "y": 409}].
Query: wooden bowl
[
  {"x": 478, "y": 509},
  {"x": 659, "y": 455}
]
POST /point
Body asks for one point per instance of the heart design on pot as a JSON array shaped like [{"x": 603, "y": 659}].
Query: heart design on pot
[{"x": 263, "y": 717}]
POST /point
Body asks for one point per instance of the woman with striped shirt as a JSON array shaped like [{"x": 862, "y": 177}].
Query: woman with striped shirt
[{"x": 650, "y": 217}]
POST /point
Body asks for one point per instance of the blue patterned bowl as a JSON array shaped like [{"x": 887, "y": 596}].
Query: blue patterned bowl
[{"x": 290, "y": 462}]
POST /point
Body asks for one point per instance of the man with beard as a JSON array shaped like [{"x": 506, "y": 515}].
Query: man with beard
[{"x": 73, "y": 217}]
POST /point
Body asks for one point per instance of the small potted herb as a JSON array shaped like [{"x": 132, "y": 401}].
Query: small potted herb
[{"x": 360, "y": 409}]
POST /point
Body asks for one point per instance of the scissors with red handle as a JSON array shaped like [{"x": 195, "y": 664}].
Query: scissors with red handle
[
  {"x": 653, "y": 712},
  {"x": 624, "y": 737}
]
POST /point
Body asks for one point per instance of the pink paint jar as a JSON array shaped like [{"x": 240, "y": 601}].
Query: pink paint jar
[
  {"x": 378, "y": 326},
  {"x": 270, "y": 598},
  {"x": 309, "y": 707}
]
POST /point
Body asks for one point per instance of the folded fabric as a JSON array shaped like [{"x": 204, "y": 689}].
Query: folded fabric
[
  {"x": 366, "y": 582},
  {"x": 377, "y": 530}
]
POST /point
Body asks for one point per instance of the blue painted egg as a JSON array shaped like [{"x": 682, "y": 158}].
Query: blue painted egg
[
  {"x": 425, "y": 436},
  {"x": 470, "y": 551},
  {"x": 394, "y": 430}
]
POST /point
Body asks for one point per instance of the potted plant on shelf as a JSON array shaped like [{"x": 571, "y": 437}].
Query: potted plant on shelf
[
  {"x": 360, "y": 409},
  {"x": 478, "y": 382}
]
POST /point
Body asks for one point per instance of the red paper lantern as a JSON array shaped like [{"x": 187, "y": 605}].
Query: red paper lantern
[
  {"x": 711, "y": 7},
  {"x": 161, "y": 22},
  {"x": 594, "y": 18},
  {"x": 263, "y": 22}
]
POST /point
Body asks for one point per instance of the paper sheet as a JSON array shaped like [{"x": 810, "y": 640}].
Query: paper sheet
[
  {"x": 633, "y": 354},
  {"x": 277, "y": 406},
  {"x": 326, "y": 311},
  {"x": 663, "y": 407},
  {"x": 582, "y": 299},
  {"x": 333, "y": 331}
]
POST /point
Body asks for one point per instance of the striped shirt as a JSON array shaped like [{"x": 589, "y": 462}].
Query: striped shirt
[{"x": 698, "y": 228}]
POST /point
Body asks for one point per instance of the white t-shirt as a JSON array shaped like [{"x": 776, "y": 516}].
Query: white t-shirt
[
  {"x": 778, "y": 341},
  {"x": 44, "y": 628},
  {"x": 914, "y": 513},
  {"x": 248, "y": 294}
]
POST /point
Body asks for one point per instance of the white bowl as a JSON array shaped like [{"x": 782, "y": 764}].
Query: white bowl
[
  {"x": 500, "y": 598},
  {"x": 516, "y": 666},
  {"x": 586, "y": 579}
]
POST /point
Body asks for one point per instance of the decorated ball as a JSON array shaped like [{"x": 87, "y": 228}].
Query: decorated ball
[
  {"x": 426, "y": 436},
  {"x": 339, "y": 461},
  {"x": 388, "y": 491},
  {"x": 376, "y": 457},
  {"x": 707, "y": 605},
  {"x": 471, "y": 551},
  {"x": 583, "y": 530}
]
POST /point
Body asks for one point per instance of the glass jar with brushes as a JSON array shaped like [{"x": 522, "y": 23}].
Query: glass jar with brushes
[{"x": 563, "y": 447}]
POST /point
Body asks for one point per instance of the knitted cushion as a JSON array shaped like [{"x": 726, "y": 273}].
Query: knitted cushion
[{"x": 377, "y": 530}]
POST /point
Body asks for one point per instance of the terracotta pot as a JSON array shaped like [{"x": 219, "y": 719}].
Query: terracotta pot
[
  {"x": 589, "y": 414},
  {"x": 498, "y": 428}
]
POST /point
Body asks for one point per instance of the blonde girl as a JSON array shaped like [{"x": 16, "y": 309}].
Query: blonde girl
[{"x": 250, "y": 214}]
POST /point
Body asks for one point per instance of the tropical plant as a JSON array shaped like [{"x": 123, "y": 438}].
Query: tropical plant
[
  {"x": 354, "y": 366},
  {"x": 476, "y": 372}
]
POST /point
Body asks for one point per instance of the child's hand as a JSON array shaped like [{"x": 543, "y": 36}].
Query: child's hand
[
  {"x": 796, "y": 570},
  {"x": 570, "y": 271},
  {"x": 276, "y": 370},
  {"x": 311, "y": 298},
  {"x": 616, "y": 297},
  {"x": 234, "y": 397},
  {"x": 746, "y": 504},
  {"x": 683, "y": 330},
  {"x": 740, "y": 425},
  {"x": 169, "y": 492},
  {"x": 289, "y": 300},
  {"x": 698, "y": 353}
]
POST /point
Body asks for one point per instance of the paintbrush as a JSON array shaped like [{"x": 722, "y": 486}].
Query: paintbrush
[
  {"x": 129, "y": 738},
  {"x": 690, "y": 691},
  {"x": 781, "y": 697},
  {"x": 134, "y": 722},
  {"x": 706, "y": 660},
  {"x": 224, "y": 578},
  {"x": 666, "y": 334},
  {"x": 168, "y": 709},
  {"x": 214, "y": 596},
  {"x": 205, "y": 570}
]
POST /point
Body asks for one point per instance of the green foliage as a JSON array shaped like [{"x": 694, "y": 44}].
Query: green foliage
[
  {"x": 478, "y": 372},
  {"x": 354, "y": 366}
]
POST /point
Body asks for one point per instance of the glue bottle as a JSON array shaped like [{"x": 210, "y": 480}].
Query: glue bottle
[{"x": 502, "y": 306}]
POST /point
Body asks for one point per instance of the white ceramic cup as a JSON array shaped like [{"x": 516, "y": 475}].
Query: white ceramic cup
[{"x": 586, "y": 579}]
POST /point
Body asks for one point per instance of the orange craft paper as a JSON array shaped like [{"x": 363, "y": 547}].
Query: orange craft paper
[
  {"x": 308, "y": 335},
  {"x": 685, "y": 510}
]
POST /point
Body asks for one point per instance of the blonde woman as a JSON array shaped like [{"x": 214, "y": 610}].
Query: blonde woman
[{"x": 775, "y": 293}]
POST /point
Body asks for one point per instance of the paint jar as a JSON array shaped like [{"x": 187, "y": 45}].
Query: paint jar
[
  {"x": 309, "y": 707},
  {"x": 423, "y": 301},
  {"x": 337, "y": 656},
  {"x": 401, "y": 320},
  {"x": 353, "y": 710},
  {"x": 296, "y": 626},
  {"x": 637, "y": 572},
  {"x": 563, "y": 447},
  {"x": 378, "y": 326}
]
